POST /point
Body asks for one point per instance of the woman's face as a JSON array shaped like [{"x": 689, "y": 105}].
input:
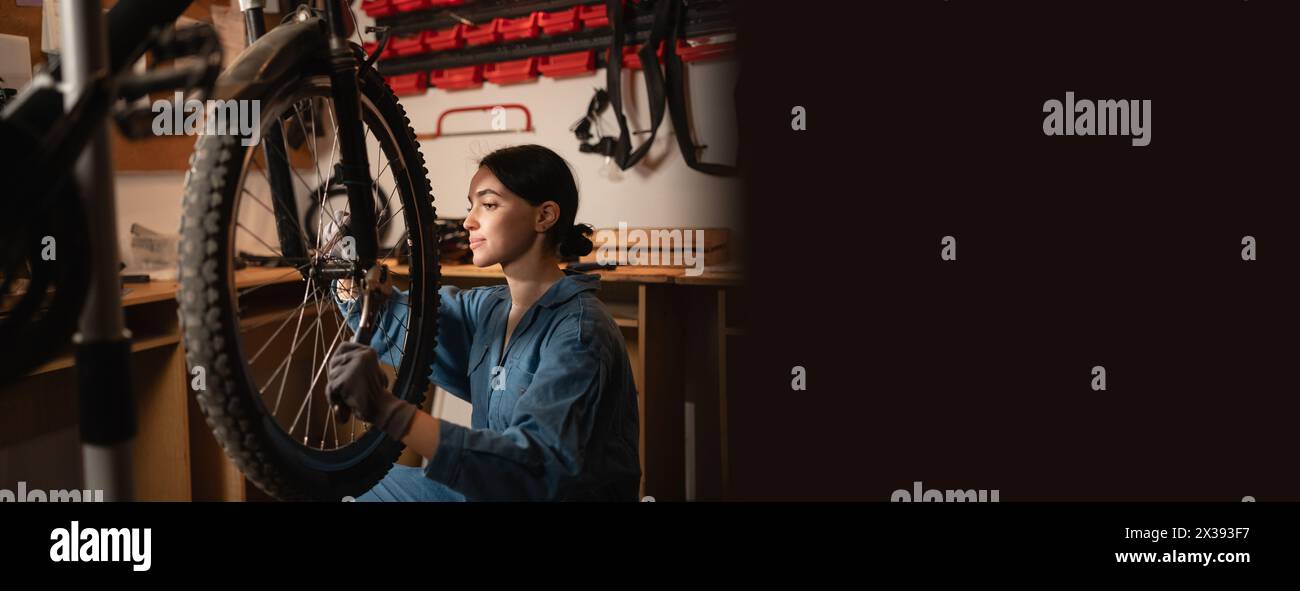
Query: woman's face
[{"x": 502, "y": 226}]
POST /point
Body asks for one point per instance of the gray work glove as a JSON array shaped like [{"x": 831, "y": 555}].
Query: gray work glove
[{"x": 355, "y": 381}]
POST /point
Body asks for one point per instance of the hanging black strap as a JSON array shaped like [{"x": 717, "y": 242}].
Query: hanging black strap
[
  {"x": 664, "y": 85},
  {"x": 620, "y": 148},
  {"x": 675, "y": 71}
]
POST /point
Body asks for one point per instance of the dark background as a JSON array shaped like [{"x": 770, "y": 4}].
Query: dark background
[{"x": 924, "y": 120}]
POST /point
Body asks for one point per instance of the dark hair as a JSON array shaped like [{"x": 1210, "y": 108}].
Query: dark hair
[{"x": 538, "y": 174}]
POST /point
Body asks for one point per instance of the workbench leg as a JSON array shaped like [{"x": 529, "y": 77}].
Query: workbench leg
[{"x": 663, "y": 420}]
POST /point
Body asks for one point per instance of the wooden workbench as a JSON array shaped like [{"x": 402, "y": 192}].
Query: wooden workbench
[{"x": 677, "y": 333}]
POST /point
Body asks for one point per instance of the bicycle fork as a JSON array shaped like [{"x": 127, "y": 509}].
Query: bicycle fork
[{"x": 354, "y": 167}]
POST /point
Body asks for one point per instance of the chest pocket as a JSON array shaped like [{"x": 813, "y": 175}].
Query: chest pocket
[{"x": 506, "y": 388}]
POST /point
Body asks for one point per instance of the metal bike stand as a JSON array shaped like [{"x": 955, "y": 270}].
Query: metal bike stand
[{"x": 103, "y": 346}]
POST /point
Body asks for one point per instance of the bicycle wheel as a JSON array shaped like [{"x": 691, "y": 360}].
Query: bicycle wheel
[
  {"x": 264, "y": 395},
  {"x": 44, "y": 278}
]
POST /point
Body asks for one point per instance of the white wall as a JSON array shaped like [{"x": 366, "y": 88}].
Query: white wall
[{"x": 661, "y": 191}]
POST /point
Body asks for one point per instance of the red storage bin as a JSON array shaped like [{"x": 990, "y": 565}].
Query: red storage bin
[
  {"x": 457, "y": 78},
  {"x": 568, "y": 64},
  {"x": 563, "y": 21},
  {"x": 408, "y": 84},
  {"x": 524, "y": 27},
  {"x": 406, "y": 45},
  {"x": 409, "y": 5},
  {"x": 511, "y": 72},
  {"x": 370, "y": 46},
  {"x": 483, "y": 34},
  {"x": 444, "y": 39},
  {"x": 704, "y": 49},
  {"x": 593, "y": 15},
  {"x": 632, "y": 61},
  {"x": 378, "y": 8}
]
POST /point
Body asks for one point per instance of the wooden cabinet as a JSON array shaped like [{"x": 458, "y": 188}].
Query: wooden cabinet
[{"x": 43, "y": 407}]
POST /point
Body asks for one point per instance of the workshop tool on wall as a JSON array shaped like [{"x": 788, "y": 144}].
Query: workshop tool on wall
[{"x": 437, "y": 133}]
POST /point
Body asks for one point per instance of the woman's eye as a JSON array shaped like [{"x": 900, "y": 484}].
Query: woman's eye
[{"x": 489, "y": 206}]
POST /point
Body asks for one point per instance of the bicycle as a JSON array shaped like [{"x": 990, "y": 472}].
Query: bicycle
[{"x": 243, "y": 205}]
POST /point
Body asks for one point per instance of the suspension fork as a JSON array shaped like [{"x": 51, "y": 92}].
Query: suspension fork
[
  {"x": 275, "y": 153},
  {"x": 354, "y": 164}
]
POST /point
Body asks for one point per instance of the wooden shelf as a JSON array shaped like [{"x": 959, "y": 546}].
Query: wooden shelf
[
  {"x": 145, "y": 293},
  {"x": 254, "y": 276},
  {"x": 68, "y": 360},
  {"x": 621, "y": 274},
  {"x": 157, "y": 291},
  {"x": 624, "y": 313},
  {"x": 629, "y": 274},
  {"x": 721, "y": 278},
  {"x": 259, "y": 319}
]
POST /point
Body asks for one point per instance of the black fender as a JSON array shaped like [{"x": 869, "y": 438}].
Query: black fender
[{"x": 275, "y": 59}]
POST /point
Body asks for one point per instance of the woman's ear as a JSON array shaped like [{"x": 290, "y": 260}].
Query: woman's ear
[{"x": 548, "y": 213}]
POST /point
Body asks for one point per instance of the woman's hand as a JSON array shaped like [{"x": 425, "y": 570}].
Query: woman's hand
[
  {"x": 357, "y": 382},
  {"x": 343, "y": 287}
]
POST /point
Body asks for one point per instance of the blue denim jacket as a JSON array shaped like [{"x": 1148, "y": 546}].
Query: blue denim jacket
[{"x": 556, "y": 418}]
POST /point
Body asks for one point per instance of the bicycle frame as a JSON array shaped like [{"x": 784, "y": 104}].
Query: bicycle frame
[{"x": 103, "y": 344}]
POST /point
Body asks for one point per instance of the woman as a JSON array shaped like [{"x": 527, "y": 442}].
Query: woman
[{"x": 540, "y": 359}]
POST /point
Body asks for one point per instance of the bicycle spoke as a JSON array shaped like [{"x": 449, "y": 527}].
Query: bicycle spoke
[
  {"x": 258, "y": 201},
  {"x": 278, "y": 369},
  {"x": 297, "y": 222},
  {"x": 289, "y": 163},
  {"x": 328, "y": 406},
  {"x": 314, "y": 379},
  {"x": 273, "y": 281},
  {"x": 310, "y": 138},
  {"x": 333, "y": 146},
  {"x": 274, "y": 250},
  {"x": 399, "y": 242},
  {"x": 293, "y": 348},
  {"x": 289, "y": 316},
  {"x": 329, "y": 418},
  {"x": 324, "y": 196},
  {"x": 316, "y": 344}
]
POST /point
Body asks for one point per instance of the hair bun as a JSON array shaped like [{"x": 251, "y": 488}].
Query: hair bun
[{"x": 576, "y": 242}]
